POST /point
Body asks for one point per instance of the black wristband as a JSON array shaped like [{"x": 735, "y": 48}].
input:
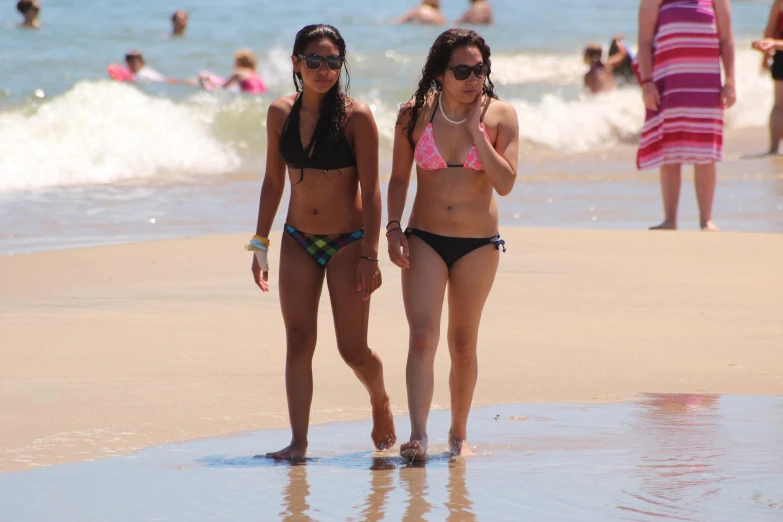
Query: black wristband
[
  {"x": 368, "y": 258},
  {"x": 393, "y": 221}
]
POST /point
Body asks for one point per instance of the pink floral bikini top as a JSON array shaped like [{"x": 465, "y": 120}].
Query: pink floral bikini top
[{"x": 428, "y": 156}]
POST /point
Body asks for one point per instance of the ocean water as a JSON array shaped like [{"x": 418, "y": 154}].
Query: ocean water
[
  {"x": 681, "y": 457},
  {"x": 63, "y": 123}
]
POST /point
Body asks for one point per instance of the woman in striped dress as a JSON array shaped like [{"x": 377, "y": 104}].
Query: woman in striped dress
[{"x": 681, "y": 46}]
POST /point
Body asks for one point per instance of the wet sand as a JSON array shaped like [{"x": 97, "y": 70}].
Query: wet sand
[
  {"x": 691, "y": 457},
  {"x": 111, "y": 349}
]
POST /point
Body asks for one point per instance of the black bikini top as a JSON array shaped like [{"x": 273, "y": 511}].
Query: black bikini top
[{"x": 325, "y": 156}]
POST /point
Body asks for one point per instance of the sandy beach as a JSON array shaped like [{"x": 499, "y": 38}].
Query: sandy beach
[{"x": 110, "y": 349}]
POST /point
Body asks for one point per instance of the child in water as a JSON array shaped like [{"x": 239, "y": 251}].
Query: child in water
[
  {"x": 244, "y": 75},
  {"x": 601, "y": 76}
]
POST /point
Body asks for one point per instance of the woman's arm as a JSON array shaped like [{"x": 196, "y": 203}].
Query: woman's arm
[
  {"x": 648, "y": 19},
  {"x": 274, "y": 178},
  {"x": 772, "y": 21},
  {"x": 271, "y": 188},
  {"x": 726, "y": 39},
  {"x": 365, "y": 143},
  {"x": 402, "y": 163},
  {"x": 499, "y": 161}
]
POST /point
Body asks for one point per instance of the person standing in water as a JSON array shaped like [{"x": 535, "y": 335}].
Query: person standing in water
[
  {"x": 329, "y": 142},
  {"x": 30, "y": 9},
  {"x": 465, "y": 143},
  {"x": 427, "y": 12},
  {"x": 179, "y": 22},
  {"x": 681, "y": 46},
  {"x": 772, "y": 47},
  {"x": 479, "y": 12}
]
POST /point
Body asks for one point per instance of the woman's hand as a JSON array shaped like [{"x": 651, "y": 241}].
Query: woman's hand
[
  {"x": 474, "y": 117},
  {"x": 261, "y": 278},
  {"x": 368, "y": 277},
  {"x": 651, "y": 96},
  {"x": 766, "y": 46},
  {"x": 398, "y": 249},
  {"x": 727, "y": 94}
]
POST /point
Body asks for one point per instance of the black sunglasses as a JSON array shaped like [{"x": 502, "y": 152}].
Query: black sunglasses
[
  {"x": 314, "y": 61},
  {"x": 461, "y": 72}
]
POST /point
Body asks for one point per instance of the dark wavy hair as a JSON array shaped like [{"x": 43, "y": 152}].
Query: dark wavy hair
[
  {"x": 437, "y": 60},
  {"x": 336, "y": 105}
]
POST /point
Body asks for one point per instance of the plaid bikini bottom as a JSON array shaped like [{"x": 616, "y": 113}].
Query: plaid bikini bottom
[{"x": 322, "y": 248}]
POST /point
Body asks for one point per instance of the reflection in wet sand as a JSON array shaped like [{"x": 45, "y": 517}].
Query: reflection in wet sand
[
  {"x": 295, "y": 495},
  {"x": 680, "y": 445},
  {"x": 665, "y": 457},
  {"x": 459, "y": 504}
]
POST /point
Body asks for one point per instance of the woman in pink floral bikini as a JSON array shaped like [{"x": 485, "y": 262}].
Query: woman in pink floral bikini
[{"x": 464, "y": 142}]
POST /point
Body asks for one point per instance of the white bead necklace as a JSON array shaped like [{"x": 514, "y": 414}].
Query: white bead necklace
[{"x": 440, "y": 105}]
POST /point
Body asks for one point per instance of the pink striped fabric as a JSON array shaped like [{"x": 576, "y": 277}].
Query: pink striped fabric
[{"x": 688, "y": 127}]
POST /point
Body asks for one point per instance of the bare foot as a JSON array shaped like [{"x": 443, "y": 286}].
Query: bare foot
[
  {"x": 383, "y": 434},
  {"x": 709, "y": 226},
  {"x": 415, "y": 450},
  {"x": 458, "y": 447},
  {"x": 294, "y": 453},
  {"x": 666, "y": 225}
]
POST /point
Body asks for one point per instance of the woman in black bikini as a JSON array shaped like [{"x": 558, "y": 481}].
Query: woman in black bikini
[
  {"x": 331, "y": 229},
  {"x": 464, "y": 142}
]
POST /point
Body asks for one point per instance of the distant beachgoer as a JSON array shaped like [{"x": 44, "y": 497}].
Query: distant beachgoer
[
  {"x": 479, "y": 12},
  {"x": 772, "y": 47},
  {"x": 142, "y": 73},
  {"x": 30, "y": 9},
  {"x": 465, "y": 144},
  {"x": 179, "y": 22},
  {"x": 245, "y": 75},
  {"x": 681, "y": 46},
  {"x": 329, "y": 143},
  {"x": 427, "y": 12}
]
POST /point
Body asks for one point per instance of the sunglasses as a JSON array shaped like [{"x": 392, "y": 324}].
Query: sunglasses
[
  {"x": 461, "y": 72},
  {"x": 314, "y": 61}
]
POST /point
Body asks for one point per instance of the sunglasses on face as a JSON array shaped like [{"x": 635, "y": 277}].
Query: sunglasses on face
[
  {"x": 314, "y": 61},
  {"x": 461, "y": 72}
]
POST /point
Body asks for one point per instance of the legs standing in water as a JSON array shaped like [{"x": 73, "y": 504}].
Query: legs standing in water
[
  {"x": 351, "y": 318},
  {"x": 301, "y": 281},
  {"x": 469, "y": 280},
  {"x": 776, "y": 119},
  {"x": 705, "y": 179},
  {"x": 423, "y": 290},
  {"x": 671, "y": 179}
]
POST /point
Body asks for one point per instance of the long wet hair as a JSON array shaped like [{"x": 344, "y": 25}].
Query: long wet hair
[
  {"x": 336, "y": 105},
  {"x": 437, "y": 60}
]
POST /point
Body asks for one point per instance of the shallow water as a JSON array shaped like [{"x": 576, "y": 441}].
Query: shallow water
[{"x": 662, "y": 457}]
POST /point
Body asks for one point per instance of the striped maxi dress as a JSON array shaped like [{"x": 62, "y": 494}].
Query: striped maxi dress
[{"x": 688, "y": 127}]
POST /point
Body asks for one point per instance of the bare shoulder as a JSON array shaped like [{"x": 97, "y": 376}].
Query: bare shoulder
[
  {"x": 281, "y": 107},
  {"x": 501, "y": 112},
  {"x": 361, "y": 113}
]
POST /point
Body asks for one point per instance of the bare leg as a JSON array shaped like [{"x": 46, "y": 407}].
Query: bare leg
[
  {"x": 705, "y": 179},
  {"x": 301, "y": 280},
  {"x": 351, "y": 317},
  {"x": 776, "y": 119},
  {"x": 470, "y": 281},
  {"x": 671, "y": 179},
  {"x": 423, "y": 289}
]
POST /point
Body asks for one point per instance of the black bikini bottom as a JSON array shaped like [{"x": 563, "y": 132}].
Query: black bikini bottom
[{"x": 451, "y": 249}]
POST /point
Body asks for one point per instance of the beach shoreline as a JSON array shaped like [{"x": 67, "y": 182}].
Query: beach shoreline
[{"x": 111, "y": 349}]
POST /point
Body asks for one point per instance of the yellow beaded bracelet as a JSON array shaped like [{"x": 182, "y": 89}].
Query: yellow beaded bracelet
[{"x": 264, "y": 241}]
